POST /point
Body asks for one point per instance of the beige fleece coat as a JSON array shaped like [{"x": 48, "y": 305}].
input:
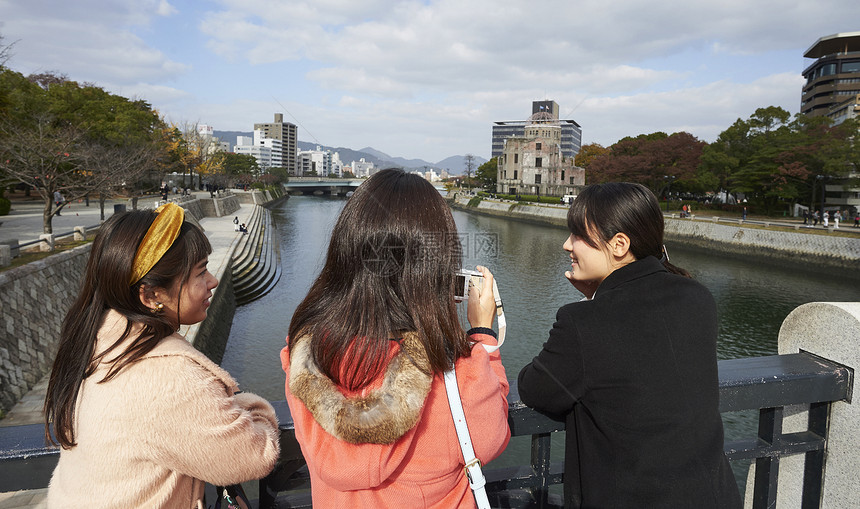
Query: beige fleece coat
[{"x": 151, "y": 436}]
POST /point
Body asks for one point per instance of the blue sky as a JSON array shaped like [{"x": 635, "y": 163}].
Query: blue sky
[{"x": 426, "y": 79}]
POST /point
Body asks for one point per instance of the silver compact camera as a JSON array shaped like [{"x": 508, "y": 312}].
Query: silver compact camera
[{"x": 461, "y": 283}]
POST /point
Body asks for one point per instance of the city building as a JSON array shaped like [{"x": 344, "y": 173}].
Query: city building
[
  {"x": 534, "y": 162},
  {"x": 833, "y": 89},
  {"x": 287, "y": 133},
  {"x": 842, "y": 111},
  {"x": 834, "y": 77},
  {"x": 571, "y": 132},
  {"x": 262, "y": 149},
  {"x": 362, "y": 168},
  {"x": 317, "y": 162}
]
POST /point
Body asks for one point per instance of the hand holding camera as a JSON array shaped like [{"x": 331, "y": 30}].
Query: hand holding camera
[{"x": 479, "y": 288}]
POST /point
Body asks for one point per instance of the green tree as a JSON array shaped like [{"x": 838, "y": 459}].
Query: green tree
[
  {"x": 57, "y": 135},
  {"x": 487, "y": 174},
  {"x": 238, "y": 164},
  {"x": 281, "y": 175},
  {"x": 773, "y": 159}
]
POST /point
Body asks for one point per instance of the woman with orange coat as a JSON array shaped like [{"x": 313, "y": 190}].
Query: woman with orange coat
[{"x": 368, "y": 348}]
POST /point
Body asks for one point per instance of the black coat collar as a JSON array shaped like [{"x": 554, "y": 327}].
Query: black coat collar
[{"x": 640, "y": 268}]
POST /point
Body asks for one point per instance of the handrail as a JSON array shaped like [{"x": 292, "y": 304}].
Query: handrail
[
  {"x": 766, "y": 384},
  {"x": 57, "y": 236}
]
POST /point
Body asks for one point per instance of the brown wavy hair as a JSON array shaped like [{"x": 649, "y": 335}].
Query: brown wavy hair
[
  {"x": 389, "y": 269},
  {"x": 105, "y": 286}
]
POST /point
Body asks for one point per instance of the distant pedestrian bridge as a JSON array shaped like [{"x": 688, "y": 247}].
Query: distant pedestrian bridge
[{"x": 322, "y": 185}]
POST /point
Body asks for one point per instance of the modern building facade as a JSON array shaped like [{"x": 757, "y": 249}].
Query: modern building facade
[
  {"x": 571, "y": 132},
  {"x": 847, "y": 109},
  {"x": 287, "y": 133},
  {"x": 834, "y": 77},
  {"x": 261, "y": 149},
  {"x": 534, "y": 162},
  {"x": 832, "y": 89},
  {"x": 317, "y": 162},
  {"x": 362, "y": 168}
]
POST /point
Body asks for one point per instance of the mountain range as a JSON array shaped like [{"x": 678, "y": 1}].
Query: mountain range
[{"x": 456, "y": 165}]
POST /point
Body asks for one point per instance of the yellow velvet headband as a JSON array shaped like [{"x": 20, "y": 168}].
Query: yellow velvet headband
[{"x": 158, "y": 239}]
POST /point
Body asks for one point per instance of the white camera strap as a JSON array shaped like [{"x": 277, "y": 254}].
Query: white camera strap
[
  {"x": 473, "y": 465},
  {"x": 500, "y": 315}
]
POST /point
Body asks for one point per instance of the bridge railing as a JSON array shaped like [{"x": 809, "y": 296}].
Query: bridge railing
[{"x": 766, "y": 384}]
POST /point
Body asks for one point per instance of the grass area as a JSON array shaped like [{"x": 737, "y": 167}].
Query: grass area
[{"x": 59, "y": 246}]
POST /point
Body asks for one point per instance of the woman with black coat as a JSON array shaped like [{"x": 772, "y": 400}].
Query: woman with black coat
[{"x": 632, "y": 369}]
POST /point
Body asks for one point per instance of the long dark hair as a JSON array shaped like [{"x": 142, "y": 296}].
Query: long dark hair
[
  {"x": 105, "y": 286},
  {"x": 603, "y": 210},
  {"x": 389, "y": 269}
]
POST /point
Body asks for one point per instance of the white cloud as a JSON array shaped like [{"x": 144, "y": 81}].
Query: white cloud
[
  {"x": 426, "y": 78},
  {"x": 165, "y": 9},
  {"x": 90, "y": 43},
  {"x": 702, "y": 111}
]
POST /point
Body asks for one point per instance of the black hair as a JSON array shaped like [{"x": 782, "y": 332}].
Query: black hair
[{"x": 603, "y": 210}]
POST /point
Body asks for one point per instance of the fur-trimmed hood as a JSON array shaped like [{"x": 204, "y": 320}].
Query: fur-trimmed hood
[{"x": 380, "y": 417}]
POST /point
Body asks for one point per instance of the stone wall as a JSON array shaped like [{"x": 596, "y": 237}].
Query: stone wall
[
  {"x": 220, "y": 206},
  {"x": 34, "y": 298},
  {"x": 823, "y": 253}
]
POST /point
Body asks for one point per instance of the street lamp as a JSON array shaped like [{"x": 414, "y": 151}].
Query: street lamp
[
  {"x": 819, "y": 178},
  {"x": 668, "y": 179}
]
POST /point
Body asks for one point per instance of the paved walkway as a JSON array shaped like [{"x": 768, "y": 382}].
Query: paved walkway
[{"x": 25, "y": 223}]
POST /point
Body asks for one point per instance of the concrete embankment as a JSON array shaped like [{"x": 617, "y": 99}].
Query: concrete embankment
[{"x": 825, "y": 253}]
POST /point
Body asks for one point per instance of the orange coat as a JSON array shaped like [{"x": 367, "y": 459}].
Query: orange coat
[{"x": 424, "y": 467}]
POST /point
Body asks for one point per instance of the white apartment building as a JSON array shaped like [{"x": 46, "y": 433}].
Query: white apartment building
[
  {"x": 268, "y": 152},
  {"x": 275, "y": 145},
  {"x": 362, "y": 168},
  {"x": 319, "y": 161}
]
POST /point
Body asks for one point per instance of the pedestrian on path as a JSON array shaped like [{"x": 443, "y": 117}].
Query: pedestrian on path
[
  {"x": 143, "y": 419},
  {"x": 59, "y": 200}
]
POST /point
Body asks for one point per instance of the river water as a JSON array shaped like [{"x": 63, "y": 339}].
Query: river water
[{"x": 753, "y": 297}]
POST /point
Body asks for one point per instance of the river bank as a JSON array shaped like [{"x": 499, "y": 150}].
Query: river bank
[{"x": 818, "y": 252}]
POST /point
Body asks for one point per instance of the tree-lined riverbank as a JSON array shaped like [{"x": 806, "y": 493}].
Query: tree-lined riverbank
[{"x": 827, "y": 253}]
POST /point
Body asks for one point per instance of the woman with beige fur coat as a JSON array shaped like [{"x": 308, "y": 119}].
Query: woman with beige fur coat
[{"x": 144, "y": 419}]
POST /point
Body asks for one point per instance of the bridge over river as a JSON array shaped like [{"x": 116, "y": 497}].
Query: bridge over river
[{"x": 322, "y": 185}]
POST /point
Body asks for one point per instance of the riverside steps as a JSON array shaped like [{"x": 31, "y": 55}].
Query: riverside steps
[
  {"x": 805, "y": 451},
  {"x": 257, "y": 258},
  {"x": 787, "y": 242}
]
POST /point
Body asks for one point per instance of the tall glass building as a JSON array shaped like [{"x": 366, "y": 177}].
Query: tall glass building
[
  {"x": 833, "y": 80},
  {"x": 571, "y": 132}
]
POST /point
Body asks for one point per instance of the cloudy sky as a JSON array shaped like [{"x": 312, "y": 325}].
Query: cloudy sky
[{"x": 426, "y": 78}]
